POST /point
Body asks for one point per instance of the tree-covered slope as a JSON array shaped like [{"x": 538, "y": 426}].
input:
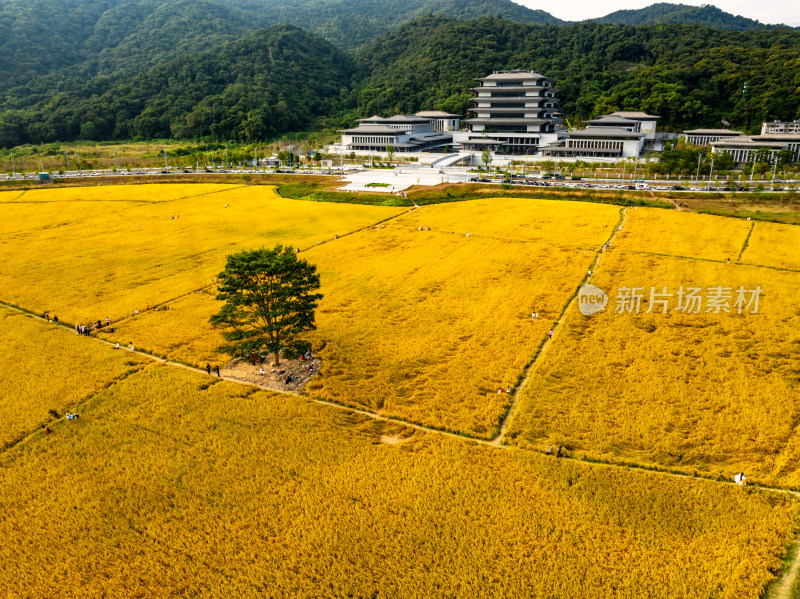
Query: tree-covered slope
[
  {"x": 38, "y": 36},
  {"x": 691, "y": 76},
  {"x": 681, "y": 14},
  {"x": 351, "y": 23},
  {"x": 268, "y": 82}
]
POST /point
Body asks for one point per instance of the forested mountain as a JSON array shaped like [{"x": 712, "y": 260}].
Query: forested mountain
[
  {"x": 119, "y": 69},
  {"x": 349, "y": 24},
  {"x": 268, "y": 82},
  {"x": 691, "y": 76},
  {"x": 38, "y": 37},
  {"x": 681, "y": 14}
]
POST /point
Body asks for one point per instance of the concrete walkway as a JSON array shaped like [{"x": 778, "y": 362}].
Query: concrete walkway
[{"x": 397, "y": 179}]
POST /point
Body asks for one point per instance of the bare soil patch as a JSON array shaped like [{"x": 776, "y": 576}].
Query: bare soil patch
[{"x": 291, "y": 376}]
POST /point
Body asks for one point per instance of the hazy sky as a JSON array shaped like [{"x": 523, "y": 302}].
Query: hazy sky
[{"x": 766, "y": 11}]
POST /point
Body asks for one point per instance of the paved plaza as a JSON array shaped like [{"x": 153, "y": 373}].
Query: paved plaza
[{"x": 401, "y": 178}]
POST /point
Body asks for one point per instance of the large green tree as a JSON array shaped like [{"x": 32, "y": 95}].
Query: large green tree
[{"x": 269, "y": 300}]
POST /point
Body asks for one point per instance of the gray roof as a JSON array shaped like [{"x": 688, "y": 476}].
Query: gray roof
[
  {"x": 511, "y": 75},
  {"x": 515, "y": 88},
  {"x": 607, "y": 132},
  {"x": 730, "y": 132},
  {"x": 790, "y": 137},
  {"x": 492, "y": 121},
  {"x": 748, "y": 143},
  {"x": 437, "y": 114},
  {"x": 526, "y": 99},
  {"x": 610, "y": 120},
  {"x": 636, "y": 115},
  {"x": 372, "y": 130},
  {"x": 406, "y": 118},
  {"x": 398, "y": 118},
  {"x": 495, "y": 110},
  {"x": 483, "y": 141}
]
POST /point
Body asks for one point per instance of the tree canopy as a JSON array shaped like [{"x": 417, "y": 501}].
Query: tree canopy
[{"x": 270, "y": 298}]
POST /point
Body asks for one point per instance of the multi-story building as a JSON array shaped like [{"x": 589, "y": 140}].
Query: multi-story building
[
  {"x": 517, "y": 111},
  {"x": 780, "y": 127},
  {"x": 620, "y": 134},
  {"x": 703, "y": 137},
  {"x": 442, "y": 121},
  {"x": 743, "y": 148},
  {"x": 404, "y": 132}
]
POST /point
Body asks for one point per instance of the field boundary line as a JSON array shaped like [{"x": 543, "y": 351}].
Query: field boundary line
[
  {"x": 210, "y": 285},
  {"x": 364, "y": 228},
  {"x": 746, "y": 243},
  {"x": 324, "y": 402},
  {"x": 7, "y": 448},
  {"x": 394, "y": 420},
  {"x": 785, "y": 581},
  {"x": 133, "y": 202},
  {"x": 205, "y": 193},
  {"x": 712, "y": 260},
  {"x": 506, "y": 239},
  {"x": 498, "y": 440}
]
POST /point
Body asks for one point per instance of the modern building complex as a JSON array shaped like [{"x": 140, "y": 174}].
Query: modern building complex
[
  {"x": 780, "y": 127},
  {"x": 616, "y": 135},
  {"x": 703, "y": 137},
  {"x": 403, "y": 132},
  {"x": 744, "y": 147},
  {"x": 516, "y": 111}
]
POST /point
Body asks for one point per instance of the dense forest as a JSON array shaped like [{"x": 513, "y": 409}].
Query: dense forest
[
  {"x": 275, "y": 80},
  {"x": 690, "y": 76},
  {"x": 681, "y": 14},
  {"x": 216, "y": 69}
]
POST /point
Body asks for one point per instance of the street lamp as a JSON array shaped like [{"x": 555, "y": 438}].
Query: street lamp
[{"x": 711, "y": 172}]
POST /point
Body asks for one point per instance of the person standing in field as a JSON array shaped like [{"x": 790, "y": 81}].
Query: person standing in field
[
  {"x": 208, "y": 368},
  {"x": 217, "y": 369},
  {"x": 130, "y": 345}
]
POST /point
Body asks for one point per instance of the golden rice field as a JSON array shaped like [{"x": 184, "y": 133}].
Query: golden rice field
[
  {"x": 118, "y": 256},
  {"x": 176, "y": 484},
  {"x": 716, "y": 393},
  {"x": 45, "y": 368},
  {"x": 688, "y": 234},
  {"x": 578, "y": 224},
  {"x": 173, "y": 483},
  {"x": 774, "y": 245},
  {"x": 422, "y": 325}
]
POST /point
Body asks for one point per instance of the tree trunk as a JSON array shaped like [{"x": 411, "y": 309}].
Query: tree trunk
[{"x": 276, "y": 360}]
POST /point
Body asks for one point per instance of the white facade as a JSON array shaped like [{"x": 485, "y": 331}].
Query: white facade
[
  {"x": 780, "y": 127},
  {"x": 405, "y": 133},
  {"x": 647, "y": 122},
  {"x": 516, "y": 108},
  {"x": 743, "y": 148},
  {"x": 703, "y": 137}
]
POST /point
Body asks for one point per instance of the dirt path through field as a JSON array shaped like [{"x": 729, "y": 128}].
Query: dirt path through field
[
  {"x": 536, "y": 360},
  {"x": 780, "y": 588}
]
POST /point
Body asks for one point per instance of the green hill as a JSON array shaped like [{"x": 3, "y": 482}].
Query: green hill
[
  {"x": 268, "y": 82},
  {"x": 691, "y": 76},
  {"x": 681, "y": 14},
  {"x": 349, "y": 24}
]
